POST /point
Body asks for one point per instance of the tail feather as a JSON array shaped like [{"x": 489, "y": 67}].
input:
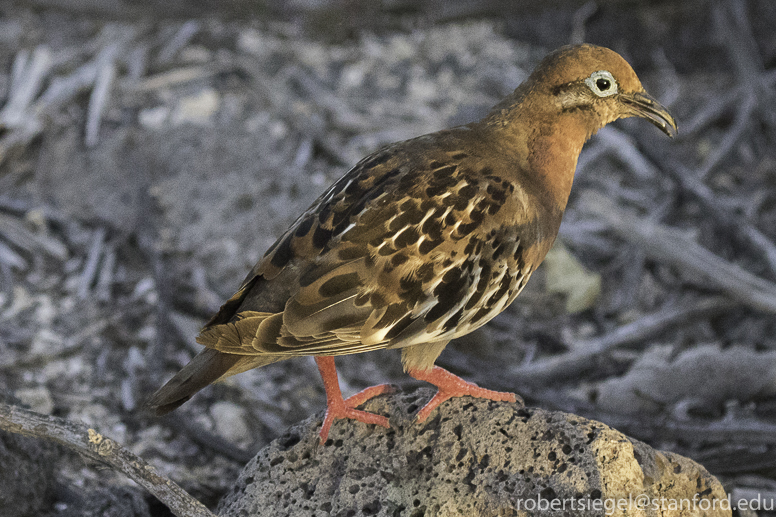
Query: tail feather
[{"x": 206, "y": 367}]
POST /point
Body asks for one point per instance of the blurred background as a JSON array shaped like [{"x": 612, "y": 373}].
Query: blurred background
[{"x": 150, "y": 152}]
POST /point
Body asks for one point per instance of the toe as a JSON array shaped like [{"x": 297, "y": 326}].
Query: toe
[
  {"x": 463, "y": 390},
  {"x": 368, "y": 393},
  {"x": 349, "y": 413},
  {"x": 431, "y": 405}
]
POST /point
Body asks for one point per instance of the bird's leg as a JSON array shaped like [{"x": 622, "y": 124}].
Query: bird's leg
[
  {"x": 449, "y": 386},
  {"x": 337, "y": 407}
]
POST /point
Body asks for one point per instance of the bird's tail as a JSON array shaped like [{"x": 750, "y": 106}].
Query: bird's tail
[{"x": 207, "y": 367}]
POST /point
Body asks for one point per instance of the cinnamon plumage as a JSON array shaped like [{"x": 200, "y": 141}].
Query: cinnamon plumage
[{"x": 422, "y": 241}]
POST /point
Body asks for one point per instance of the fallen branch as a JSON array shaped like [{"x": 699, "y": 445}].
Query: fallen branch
[
  {"x": 669, "y": 246},
  {"x": 742, "y": 122},
  {"x": 585, "y": 352},
  {"x": 711, "y": 111},
  {"x": 580, "y": 18},
  {"x": 732, "y": 429},
  {"x": 748, "y": 431},
  {"x": 690, "y": 181},
  {"x": 90, "y": 444}
]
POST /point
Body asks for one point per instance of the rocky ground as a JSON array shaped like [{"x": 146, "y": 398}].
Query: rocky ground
[{"x": 148, "y": 159}]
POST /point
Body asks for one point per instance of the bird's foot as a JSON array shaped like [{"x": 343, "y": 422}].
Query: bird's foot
[
  {"x": 339, "y": 408},
  {"x": 449, "y": 386}
]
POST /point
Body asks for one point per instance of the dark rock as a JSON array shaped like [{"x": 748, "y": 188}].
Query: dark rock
[
  {"x": 98, "y": 500},
  {"x": 474, "y": 458},
  {"x": 26, "y": 475}
]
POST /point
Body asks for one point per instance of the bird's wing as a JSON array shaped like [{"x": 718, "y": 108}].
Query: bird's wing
[{"x": 391, "y": 255}]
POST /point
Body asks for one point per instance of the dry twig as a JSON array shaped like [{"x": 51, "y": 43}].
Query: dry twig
[
  {"x": 671, "y": 247},
  {"x": 69, "y": 346},
  {"x": 181, "y": 38},
  {"x": 92, "y": 261},
  {"x": 172, "y": 78},
  {"x": 10, "y": 258},
  {"x": 745, "y": 431},
  {"x": 586, "y": 352},
  {"x": 106, "y": 74},
  {"x": 92, "y": 445},
  {"x": 27, "y": 76},
  {"x": 18, "y": 235},
  {"x": 717, "y": 208}
]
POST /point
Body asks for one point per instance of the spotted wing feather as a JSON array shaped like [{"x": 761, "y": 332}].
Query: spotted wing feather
[{"x": 415, "y": 244}]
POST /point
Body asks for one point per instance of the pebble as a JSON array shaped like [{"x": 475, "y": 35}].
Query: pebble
[
  {"x": 230, "y": 421},
  {"x": 196, "y": 109}
]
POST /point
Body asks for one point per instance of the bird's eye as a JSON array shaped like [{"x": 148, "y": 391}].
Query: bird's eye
[{"x": 602, "y": 83}]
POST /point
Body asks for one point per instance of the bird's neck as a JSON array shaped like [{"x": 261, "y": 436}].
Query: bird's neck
[
  {"x": 547, "y": 144},
  {"x": 553, "y": 152}
]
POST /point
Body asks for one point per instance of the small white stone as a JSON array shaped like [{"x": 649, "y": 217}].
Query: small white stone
[
  {"x": 319, "y": 179},
  {"x": 45, "y": 311},
  {"x": 352, "y": 76},
  {"x": 147, "y": 333},
  {"x": 230, "y": 422},
  {"x": 278, "y": 129},
  {"x": 195, "y": 54},
  {"x": 251, "y": 41},
  {"x": 197, "y": 108},
  {"x": 154, "y": 118}
]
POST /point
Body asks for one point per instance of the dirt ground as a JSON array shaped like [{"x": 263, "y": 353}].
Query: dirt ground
[{"x": 150, "y": 153}]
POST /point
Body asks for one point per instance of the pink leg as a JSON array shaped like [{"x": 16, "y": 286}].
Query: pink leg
[
  {"x": 449, "y": 386},
  {"x": 337, "y": 407}
]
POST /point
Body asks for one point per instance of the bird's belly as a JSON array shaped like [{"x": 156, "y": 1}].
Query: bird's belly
[{"x": 498, "y": 296}]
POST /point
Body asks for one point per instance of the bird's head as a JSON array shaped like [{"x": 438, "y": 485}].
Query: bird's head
[
  {"x": 595, "y": 86},
  {"x": 575, "y": 91}
]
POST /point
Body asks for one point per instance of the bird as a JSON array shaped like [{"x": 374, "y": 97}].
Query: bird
[{"x": 422, "y": 241}]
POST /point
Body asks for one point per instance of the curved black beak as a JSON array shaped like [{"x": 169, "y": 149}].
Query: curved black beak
[{"x": 643, "y": 105}]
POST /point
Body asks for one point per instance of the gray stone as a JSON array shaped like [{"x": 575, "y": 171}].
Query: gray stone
[
  {"x": 26, "y": 474},
  {"x": 95, "y": 499},
  {"x": 472, "y": 458}
]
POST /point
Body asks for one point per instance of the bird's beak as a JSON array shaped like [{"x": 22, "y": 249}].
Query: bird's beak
[{"x": 643, "y": 105}]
